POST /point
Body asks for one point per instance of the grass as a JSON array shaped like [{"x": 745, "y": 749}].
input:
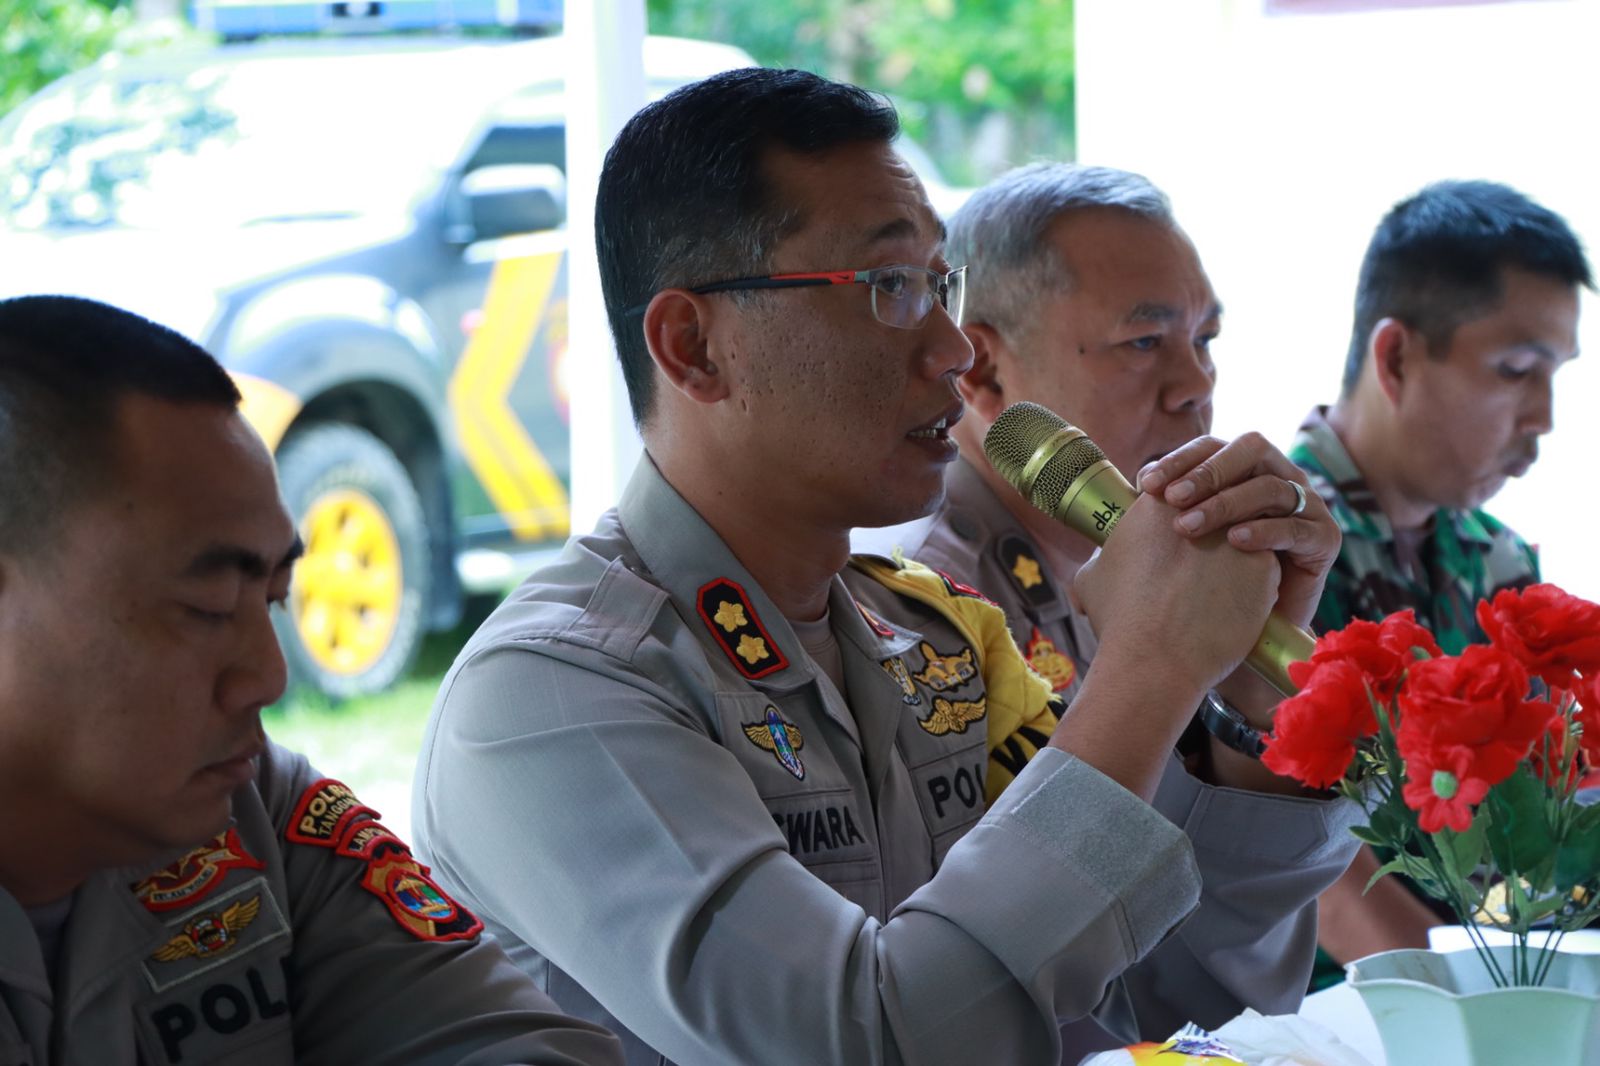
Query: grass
[{"x": 371, "y": 743}]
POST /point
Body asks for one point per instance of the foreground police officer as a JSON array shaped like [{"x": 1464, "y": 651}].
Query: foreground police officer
[
  {"x": 768, "y": 774},
  {"x": 1088, "y": 298},
  {"x": 173, "y": 887}
]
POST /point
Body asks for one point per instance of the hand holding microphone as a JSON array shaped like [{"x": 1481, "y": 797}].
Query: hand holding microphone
[{"x": 1063, "y": 473}]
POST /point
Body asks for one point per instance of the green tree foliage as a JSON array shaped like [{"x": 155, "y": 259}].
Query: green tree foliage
[
  {"x": 41, "y": 40},
  {"x": 984, "y": 83}
]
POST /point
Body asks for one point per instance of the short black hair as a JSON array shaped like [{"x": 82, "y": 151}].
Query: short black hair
[
  {"x": 682, "y": 198},
  {"x": 65, "y": 362},
  {"x": 1438, "y": 257}
]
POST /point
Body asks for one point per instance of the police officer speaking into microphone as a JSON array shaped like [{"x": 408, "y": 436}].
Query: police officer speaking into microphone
[{"x": 746, "y": 798}]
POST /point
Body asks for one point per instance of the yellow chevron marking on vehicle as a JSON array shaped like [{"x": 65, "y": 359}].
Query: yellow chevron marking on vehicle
[
  {"x": 516, "y": 476},
  {"x": 267, "y": 406}
]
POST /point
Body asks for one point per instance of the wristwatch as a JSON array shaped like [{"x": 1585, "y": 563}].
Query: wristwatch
[{"x": 1223, "y": 721}]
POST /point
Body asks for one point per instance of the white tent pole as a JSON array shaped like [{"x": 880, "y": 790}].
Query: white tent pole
[{"x": 605, "y": 86}]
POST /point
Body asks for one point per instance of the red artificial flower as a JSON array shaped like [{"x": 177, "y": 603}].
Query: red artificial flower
[
  {"x": 1551, "y": 632},
  {"x": 1440, "y": 788},
  {"x": 1402, "y": 633},
  {"x": 1381, "y": 651},
  {"x": 1314, "y": 734},
  {"x": 1476, "y": 702}
]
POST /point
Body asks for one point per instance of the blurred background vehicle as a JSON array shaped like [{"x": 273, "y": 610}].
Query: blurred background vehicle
[{"x": 369, "y": 232}]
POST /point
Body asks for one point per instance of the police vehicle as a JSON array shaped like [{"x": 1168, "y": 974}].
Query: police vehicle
[{"x": 369, "y": 233}]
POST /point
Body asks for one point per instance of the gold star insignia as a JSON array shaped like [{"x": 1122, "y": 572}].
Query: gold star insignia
[
  {"x": 1027, "y": 572},
  {"x": 751, "y": 649},
  {"x": 730, "y": 616}
]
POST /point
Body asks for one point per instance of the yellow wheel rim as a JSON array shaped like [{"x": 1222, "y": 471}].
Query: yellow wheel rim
[{"x": 349, "y": 584}]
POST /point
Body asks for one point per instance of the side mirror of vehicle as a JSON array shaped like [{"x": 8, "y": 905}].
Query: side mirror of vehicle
[{"x": 511, "y": 198}]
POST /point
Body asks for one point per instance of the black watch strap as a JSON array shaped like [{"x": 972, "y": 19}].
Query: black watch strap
[{"x": 1223, "y": 721}]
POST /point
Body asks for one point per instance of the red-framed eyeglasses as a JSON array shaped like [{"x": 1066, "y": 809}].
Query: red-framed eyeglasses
[{"x": 902, "y": 296}]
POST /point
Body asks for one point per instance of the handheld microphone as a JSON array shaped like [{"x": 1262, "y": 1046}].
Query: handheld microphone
[{"x": 1059, "y": 470}]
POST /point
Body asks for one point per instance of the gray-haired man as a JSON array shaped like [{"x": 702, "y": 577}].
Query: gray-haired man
[{"x": 1085, "y": 296}]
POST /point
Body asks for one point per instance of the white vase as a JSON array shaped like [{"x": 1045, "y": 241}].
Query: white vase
[{"x": 1433, "y": 1007}]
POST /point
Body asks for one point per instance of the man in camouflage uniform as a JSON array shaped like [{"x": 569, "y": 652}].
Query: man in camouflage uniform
[
  {"x": 1466, "y": 556},
  {"x": 173, "y": 888},
  {"x": 717, "y": 782},
  {"x": 1087, "y": 298},
  {"x": 1466, "y": 307}
]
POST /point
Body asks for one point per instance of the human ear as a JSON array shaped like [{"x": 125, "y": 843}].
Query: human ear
[
  {"x": 981, "y": 387},
  {"x": 1392, "y": 349},
  {"x": 677, "y": 326}
]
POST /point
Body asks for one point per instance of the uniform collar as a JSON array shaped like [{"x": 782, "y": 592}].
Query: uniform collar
[
  {"x": 1355, "y": 509},
  {"x": 974, "y": 512},
  {"x": 709, "y": 585}
]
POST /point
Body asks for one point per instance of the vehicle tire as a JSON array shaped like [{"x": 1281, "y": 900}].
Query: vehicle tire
[{"x": 355, "y": 614}]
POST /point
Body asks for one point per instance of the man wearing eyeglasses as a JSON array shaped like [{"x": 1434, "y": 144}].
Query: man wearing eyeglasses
[{"x": 740, "y": 795}]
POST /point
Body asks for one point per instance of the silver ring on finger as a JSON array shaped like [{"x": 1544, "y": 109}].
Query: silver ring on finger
[{"x": 1299, "y": 497}]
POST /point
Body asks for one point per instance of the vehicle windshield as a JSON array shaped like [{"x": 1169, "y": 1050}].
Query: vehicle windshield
[{"x": 232, "y": 143}]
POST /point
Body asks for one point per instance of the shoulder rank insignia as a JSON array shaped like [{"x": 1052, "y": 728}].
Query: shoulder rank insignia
[
  {"x": 727, "y": 612},
  {"x": 953, "y": 716},
  {"x": 325, "y": 811},
  {"x": 210, "y": 934},
  {"x": 896, "y": 668},
  {"x": 781, "y": 738},
  {"x": 420, "y": 906},
  {"x": 946, "y": 671},
  {"x": 1020, "y": 560},
  {"x": 197, "y": 874},
  {"x": 1048, "y": 662}
]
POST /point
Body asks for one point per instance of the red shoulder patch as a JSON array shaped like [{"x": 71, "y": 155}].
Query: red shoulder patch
[
  {"x": 365, "y": 837},
  {"x": 196, "y": 875},
  {"x": 324, "y": 812},
  {"x": 419, "y": 905}
]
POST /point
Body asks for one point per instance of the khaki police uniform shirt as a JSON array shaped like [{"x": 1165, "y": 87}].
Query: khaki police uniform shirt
[
  {"x": 1263, "y": 859},
  {"x": 634, "y": 775},
  {"x": 258, "y": 949}
]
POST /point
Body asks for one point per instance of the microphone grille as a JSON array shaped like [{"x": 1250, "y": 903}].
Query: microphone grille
[
  {"x": 1017, "y": 434},
  {"x": 1062, "y": 469}
]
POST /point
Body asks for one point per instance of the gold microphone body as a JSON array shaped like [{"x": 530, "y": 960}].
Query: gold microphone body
[{"x": 1066, "y": 475}]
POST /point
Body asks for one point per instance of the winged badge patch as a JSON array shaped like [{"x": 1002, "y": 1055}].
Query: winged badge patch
[
  {"x": 953, "y": 716},
  {"x": 781, "y": 738},
  {"x": 210, "y": 934}
]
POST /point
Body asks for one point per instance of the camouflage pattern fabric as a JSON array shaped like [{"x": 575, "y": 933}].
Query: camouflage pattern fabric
[{"x": 1467, "y": 557}]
